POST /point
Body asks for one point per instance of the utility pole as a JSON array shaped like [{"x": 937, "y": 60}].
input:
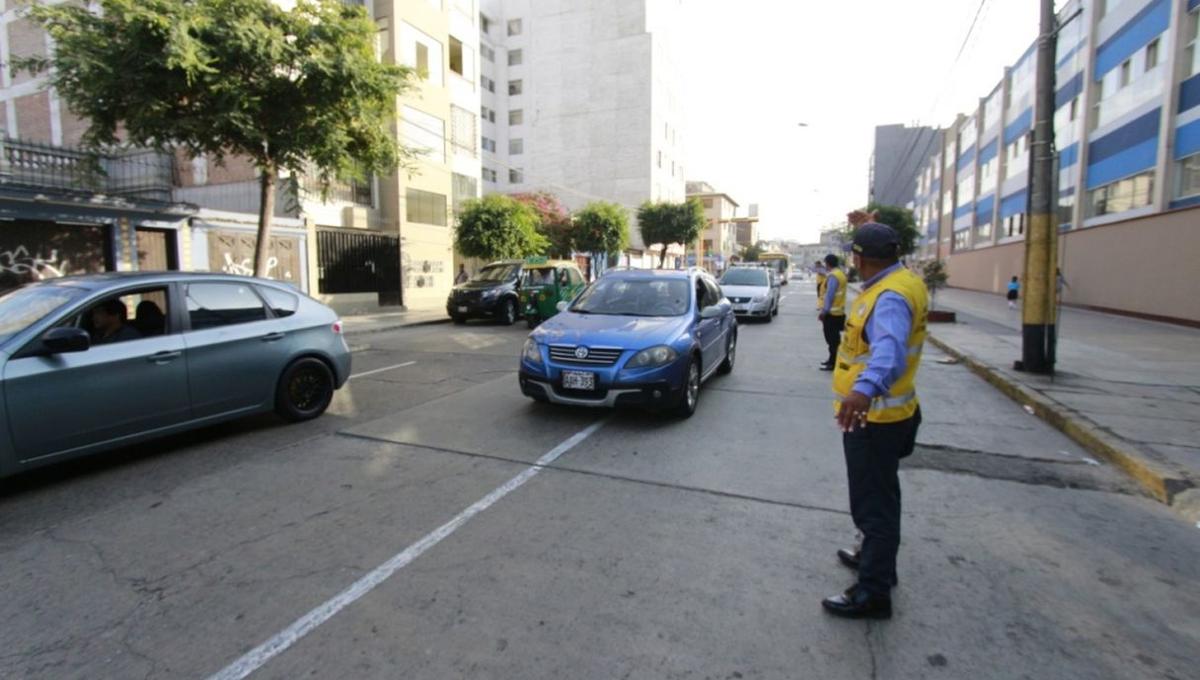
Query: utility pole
[{"x": 1041, "y": 242}]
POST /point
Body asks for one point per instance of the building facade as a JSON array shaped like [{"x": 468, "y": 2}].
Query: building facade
[
  {"x": 897, "y": 158},
  {"x": 360, "y": 245},
  {"x": 1127, "y": 138},
  {"x": 719, "y": 240},
  {"x": 579, "y": 98}
]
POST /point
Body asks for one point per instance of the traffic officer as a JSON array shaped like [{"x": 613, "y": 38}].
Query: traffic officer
[
  {"x": 819, "y": 275},
  {"x": 878, "y": 412},
  {"x": 832, "y": 314}
]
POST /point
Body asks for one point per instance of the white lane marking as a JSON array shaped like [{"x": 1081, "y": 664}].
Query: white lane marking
[
  {"x": 381, "y": 370},
  {"x": 260, "y": 655}
]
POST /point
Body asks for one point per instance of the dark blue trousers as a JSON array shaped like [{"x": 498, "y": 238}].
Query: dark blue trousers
[{"x": 873, "y": 458}]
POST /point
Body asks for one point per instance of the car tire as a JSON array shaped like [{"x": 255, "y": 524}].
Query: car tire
[
  {"x": 691, "y": 390},
  {"x": 305, "y": 390},
  {"x": 508, "y": 313},
  {"x": 768, "y": 318},
  {"x": 730, "y": 355},
  {"x": 458, "y": 320}
]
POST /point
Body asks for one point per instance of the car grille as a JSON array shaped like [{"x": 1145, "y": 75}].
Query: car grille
[
  {"x": 595, "y": 357},
  {"x": 739, "y": 300}
]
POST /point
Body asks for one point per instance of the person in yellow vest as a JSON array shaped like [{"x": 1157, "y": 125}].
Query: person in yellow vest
[
  {"x": 878, "y": 413},
  {"x": 819, "y": 276},
  {"x": 832, "y": 307}
]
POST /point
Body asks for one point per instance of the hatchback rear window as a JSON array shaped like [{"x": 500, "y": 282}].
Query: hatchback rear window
[
  {"x": 211, "y": 305},
  {"x": 283, "y": 304}
]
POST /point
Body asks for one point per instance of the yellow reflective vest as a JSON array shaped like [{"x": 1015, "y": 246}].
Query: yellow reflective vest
[
  {"x": 838, "y": 308},
  {"x": 900, "y": 403},
  {"x": 820, "y": 290}
]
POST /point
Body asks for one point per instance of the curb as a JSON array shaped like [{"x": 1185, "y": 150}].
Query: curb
[
  {"x": 397, "y": 325},
  {"x": 1165, "y": 485}
]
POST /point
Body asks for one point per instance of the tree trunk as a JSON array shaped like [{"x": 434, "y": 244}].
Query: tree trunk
[
  {"x": 662, "y": 256},
  {"x": 266, "y": 211}
]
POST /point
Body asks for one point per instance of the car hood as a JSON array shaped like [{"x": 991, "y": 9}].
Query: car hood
[
  {"x": 601, "y": 330},
  {"x": 745, "y": 291},
  {"x": 481, "y": 285}
]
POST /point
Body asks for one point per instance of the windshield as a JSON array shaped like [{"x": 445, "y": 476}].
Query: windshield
[
  {"x": 635, "y": 297},
  {"x": 537, "y": 277},
  {"x": 498, "y": 272},
  {"x": 745, "y": 276},
  {"x": 23, "y": 307}
]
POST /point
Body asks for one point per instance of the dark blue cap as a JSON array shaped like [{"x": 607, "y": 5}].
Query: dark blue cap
[{"x": 876, "y": 240}]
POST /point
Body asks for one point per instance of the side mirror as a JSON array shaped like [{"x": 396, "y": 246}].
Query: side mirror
[
  {"x": 562, "y": 306},
  {"x": 711, "y": 312},
  {"x": 65, "y": 340}
]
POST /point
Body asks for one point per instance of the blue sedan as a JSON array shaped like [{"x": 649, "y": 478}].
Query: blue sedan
[
  {"x": 96, "y": 362},
  {"x": 645, "y": 338}
]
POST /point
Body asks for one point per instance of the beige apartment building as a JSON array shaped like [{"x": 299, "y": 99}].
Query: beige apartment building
[
  {"x": 718, "y": 243},
  {"x": 367, "y": 245}
]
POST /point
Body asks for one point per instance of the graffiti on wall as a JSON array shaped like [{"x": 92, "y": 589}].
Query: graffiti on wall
[
  {"x": 21, "y": 262},
  {"x": 233, "y": 253},
  {"x": 422, "y": 273},
  {"x": 35, "y": 251}
]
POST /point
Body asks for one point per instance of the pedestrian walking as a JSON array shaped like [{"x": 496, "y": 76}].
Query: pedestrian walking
[
  {"x": 833, "y": 308},
  {"x": 1014, "y": 292},
  {"x": 878, "y": 413},
  {"x": 462, "y": 276}
]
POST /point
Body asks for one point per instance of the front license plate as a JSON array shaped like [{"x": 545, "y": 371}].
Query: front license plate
[
  {"x": 579, "y": 380},
  {"x": 462, "y": 309}
]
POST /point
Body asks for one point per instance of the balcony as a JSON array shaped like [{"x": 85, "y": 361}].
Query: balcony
[{"x": 135, "y": 175}]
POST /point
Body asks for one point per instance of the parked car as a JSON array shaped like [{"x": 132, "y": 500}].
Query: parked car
[
  {"x": 90, "y": 363},
  {"x": 491, "y": 294},
  {"x": 645, "y": 338},
  {"x": 544, "y": 284},
  {"x": 753, "y": 291}
]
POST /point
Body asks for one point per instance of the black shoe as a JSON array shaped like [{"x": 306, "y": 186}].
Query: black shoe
[
  {"x": 825, "y": 366},
  {"x": 857, "y": 603},
  {"x": 848, "y": 558}
]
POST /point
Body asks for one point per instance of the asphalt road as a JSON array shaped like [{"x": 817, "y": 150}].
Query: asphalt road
[{"x": 412, "y": 533}]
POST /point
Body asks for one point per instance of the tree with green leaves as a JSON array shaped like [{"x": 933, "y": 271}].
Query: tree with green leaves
[
  {"x": 602, "y": 227},
  {"x": 296, "y": 91},
  {"x": 751, "y": 252},
  {"x": 498, "y": 227},
  {"x": 896, "y": 217},
  {"x": 554, "y": 222},
  {"x": 665, "y": 223},
  {"x": 935, "y": 276}
]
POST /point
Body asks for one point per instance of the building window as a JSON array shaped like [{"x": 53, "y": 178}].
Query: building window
[
  {"x": 422, "y": 53},
  {"x": 423, "y": 61},
  {"x": 708, "y": 203},
  {"x": 1190, "y": 55},
  {"x": 463, "y": 130},
  {"x": 489, "y": 175},
  {"x": 1122, "y": 195},
  {"x": 487, "y": 83},
  {"x": 485, "y": 24},
  {"x": 514, "y": 27},
  {"x": 425, "y": 207},
  {"x": 1189, "y": 177},
  {"x": 489, "y": 144},
  {"x": 487, "y": 53},
  {"x": 424, "y": 132},
  {"x": 515, "y": 57},
  {"x": 515, "y": 87},
  {"x": 516, "y": 146},
  {"x": 1152, "y": 54},
  {"x": 456, "y": 56},
  {"x": 462, "y": 189},
  {"x": 1074, "y": 109},
  {"x": 1014, "y": 225},
  {"x": 516, "y": 117},
  {"x": 660, "y": 159},
  {"x": 516, "y": 176},
  {"x": 1126, "y": 73},
  {"x": 962, "y": 239},
  {"x": 983, "y": 234}
]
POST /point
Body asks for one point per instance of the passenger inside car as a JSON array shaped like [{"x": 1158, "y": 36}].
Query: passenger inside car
[
  {"x": 149, "y": 320},
  {"x": 109, "y": 323}
]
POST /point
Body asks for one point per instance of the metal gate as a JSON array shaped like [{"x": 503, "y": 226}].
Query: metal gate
[{"x": 357, "y": 262}]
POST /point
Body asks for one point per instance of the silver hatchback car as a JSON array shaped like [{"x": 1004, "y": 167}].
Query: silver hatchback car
[{"x": 95, "y": 362}]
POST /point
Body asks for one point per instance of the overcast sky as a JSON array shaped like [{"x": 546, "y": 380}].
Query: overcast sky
[{"x": 754, "y": 69}]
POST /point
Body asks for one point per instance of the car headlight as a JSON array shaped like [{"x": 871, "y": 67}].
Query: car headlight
[
  {"x": 491, "y": 292},
  {"x": 655, "y": 356},
  {"x": 531, "y": 352},
  {"x": 759, "y": 299}
]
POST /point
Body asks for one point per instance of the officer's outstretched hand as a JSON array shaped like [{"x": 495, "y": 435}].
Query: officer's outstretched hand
[{"x": 853, "y": 412}]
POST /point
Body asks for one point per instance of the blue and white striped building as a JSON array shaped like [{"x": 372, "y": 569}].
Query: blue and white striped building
[{"x": 1127, "y": 128}]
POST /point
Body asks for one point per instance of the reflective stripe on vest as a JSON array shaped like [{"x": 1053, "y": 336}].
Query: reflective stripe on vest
[{"x": 855, "y": 351}]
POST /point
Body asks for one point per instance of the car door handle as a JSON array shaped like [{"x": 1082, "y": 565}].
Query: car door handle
[
  {"x": 163, "y": 357},
  {"x": 272, "y": 337}
]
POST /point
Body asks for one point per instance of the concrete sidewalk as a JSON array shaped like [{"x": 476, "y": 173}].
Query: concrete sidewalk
[
  {"x": 377, "y": 323},
  {"x": 1126, "y": 389}
]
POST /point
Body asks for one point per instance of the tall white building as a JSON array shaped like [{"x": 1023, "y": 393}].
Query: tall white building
[{"x": 580, "y": 98}]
